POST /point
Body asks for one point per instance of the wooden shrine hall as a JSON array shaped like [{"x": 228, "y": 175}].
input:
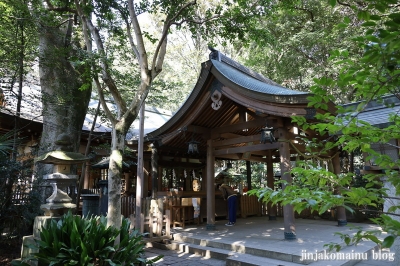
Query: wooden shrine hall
[{"x": 232, "y": 113}]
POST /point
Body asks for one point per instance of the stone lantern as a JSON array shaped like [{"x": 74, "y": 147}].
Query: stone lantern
[
  {"x": 59, "y": 202},
  {"x": 62, "y": 158}
]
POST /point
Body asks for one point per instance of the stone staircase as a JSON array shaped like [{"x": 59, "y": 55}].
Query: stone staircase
[{"x": 239, "y": 255}]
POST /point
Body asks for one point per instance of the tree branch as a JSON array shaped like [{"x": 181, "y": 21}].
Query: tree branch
[
  {"x": 129, "y": 32},
  {"x": 306, "y": 10},
  {"x": 141, "y": 49},
  {"x": 196, "y": 21},
  {"x": 103, "y": 101},
  {"x": 159, "y": 53},
  {"x": 68, "y": 35},
  {"x": 343, "y": 4},
  {"x": 108, "y": 80},
  {"x": 57, "y": 26},
  {"x": 60, "y": 9}
]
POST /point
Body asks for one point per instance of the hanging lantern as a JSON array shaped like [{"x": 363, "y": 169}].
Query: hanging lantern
[
  {"x": 267, "y": 135},
  {"x": 229, "y": 165},
  {"x": 193, "y": 148}
]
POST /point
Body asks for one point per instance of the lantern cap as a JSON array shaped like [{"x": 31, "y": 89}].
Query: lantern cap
[
  {"x": 62, "y": 157},
  {"x": 63, "y": 153}
]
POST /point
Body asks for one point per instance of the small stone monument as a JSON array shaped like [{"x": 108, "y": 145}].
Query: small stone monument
[{"x": 59, "y": 202}]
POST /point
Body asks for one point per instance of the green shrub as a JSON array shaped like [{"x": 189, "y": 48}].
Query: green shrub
[
  {"x": 19, "y": 198},
  {"x": 73, "y": 240}
]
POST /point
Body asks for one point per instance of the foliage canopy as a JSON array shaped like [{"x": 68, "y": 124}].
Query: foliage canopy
[{"x": 374, "y": 75}]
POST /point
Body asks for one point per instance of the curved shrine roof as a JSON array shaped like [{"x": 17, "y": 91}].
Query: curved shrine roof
[{"x": 237, "y": 86}]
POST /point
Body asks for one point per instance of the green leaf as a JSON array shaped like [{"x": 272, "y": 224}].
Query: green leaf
[
  {"x": 368, "y": 24},
  {"x": 375, "y": 17},
  {"x": 363, "y": 15},
  {"x": 388, "y": 241},
  {"x": 373, "y": 238},
  {"x": 347, "y": 239}
]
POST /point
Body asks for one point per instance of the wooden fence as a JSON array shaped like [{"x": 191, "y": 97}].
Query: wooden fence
[
  {"x": 128, "y": 205},
  {"x": 155, "y": 217},
  {"x": 250, "y": 205},
  {"x": 158, "y": 212},
  {"x": 19, "y": 197}
]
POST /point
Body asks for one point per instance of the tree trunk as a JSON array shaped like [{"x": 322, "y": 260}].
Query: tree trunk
[
  {"x": 115, "y": 175},
  {"x": 64, "y": 104}
]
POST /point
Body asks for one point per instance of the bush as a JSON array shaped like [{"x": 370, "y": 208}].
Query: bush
[
  {"x": 73, "y": 240},
  {"x": 19, "y": 198}
]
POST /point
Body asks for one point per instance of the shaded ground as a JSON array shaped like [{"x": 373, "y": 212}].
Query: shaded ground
[{"x": 9, "y": 251}]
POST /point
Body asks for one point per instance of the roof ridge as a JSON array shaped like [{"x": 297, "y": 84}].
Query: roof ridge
[
  {"x": 217, "y": 55},
  {"x": 383, "y": 102}
]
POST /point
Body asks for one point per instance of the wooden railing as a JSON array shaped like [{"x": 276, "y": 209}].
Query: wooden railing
[
  {"x": 128, "y": 205},
  {"x": 155, "y": 218},
  {"x": 250, "y": 205}
]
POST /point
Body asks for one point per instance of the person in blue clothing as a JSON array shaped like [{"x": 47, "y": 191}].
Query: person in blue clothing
[{"x": 229, "y": 194}]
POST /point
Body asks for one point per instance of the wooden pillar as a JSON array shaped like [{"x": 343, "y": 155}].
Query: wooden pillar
[
  {"x": 159, "y": 181},
  {"x": 154, "y": 170},
  {"x": 140, "y": 174},
  {"x": 271, "y": 184},
  {"x": 86, "y": 176},
  {"x": 340, "y": 210},
  {"x": 210, "y": 187},
  {"x": 188, "y": 180},
  {"x": 203, "y": 186},
  {"x": 248, "y": 174},
  {"x": 147, "y": 178},
  {"x": 288, "y": 213}
]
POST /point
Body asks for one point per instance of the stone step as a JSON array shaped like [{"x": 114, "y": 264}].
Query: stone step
[
  {"x": 239, "y": 259},
  {"x": 232, "y": 258},
  {"x": 258, "y": 252},
  {"x": 238, "y": 255},
  {"x": 358, "y": 253},
  {"x": 206, "y": 252}
]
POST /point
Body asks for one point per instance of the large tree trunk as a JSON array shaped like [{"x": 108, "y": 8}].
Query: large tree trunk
[{"x": 64, "y": 104}]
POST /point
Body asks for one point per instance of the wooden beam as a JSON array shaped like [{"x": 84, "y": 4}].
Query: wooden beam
[
  {"x": 180, "y": 164},
  {"x": 231, "y": 120},
  {"x": 253, "y": 114},
  {"x": 238, "y": 140},
  {"x": 265, "y": 153},
  {"x": 199, "y": 130},
  {"x": 171, "y": 149},
  {"x": 230, "y": 135},
  {"x": 239, "y": 156},
  {"x": 256, "y": 159},
  {"x": 230, "y": 156},
  {"x": 242, "y": 115},
  {"x": 259, "y": 122},
  {"x": 243, "y": 149}
]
